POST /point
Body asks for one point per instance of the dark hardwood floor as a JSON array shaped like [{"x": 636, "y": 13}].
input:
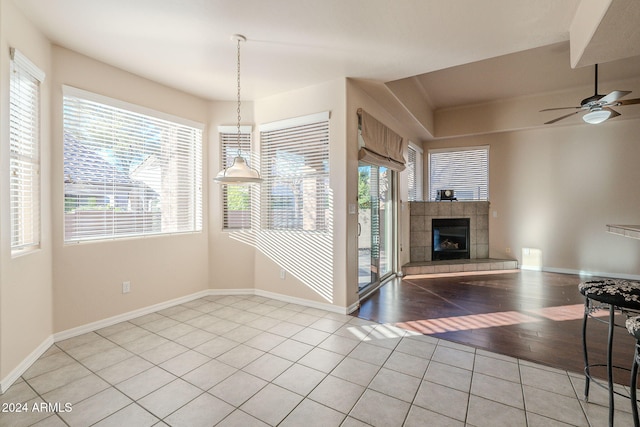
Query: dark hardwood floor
[{"x": 530, "y": 315}]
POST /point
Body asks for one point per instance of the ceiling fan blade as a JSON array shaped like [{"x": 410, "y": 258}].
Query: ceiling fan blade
[
  {"x": 628, "y": 101},
  {"x": 560, "y": 118},
  {"x": 614, "y": 96},
  {"x": 560, "y": 108},
  {"x": 614, "y": 113}
]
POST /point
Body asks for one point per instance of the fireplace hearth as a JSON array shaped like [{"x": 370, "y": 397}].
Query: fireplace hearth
[{"x": 450, "y": 238}]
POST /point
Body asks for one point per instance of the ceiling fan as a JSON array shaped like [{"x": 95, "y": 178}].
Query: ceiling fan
[{"x": 598, "y": 107}]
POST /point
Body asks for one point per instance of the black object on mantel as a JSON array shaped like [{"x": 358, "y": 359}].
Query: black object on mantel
[{"x": 445, "y": 195}]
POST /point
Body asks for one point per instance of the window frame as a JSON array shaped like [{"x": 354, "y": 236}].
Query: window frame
[
  {"x": 227, "y": 135},
  {"x": 307, "y": 137},
  {"x": 185, "y": 208},
  {"x": 415, "y": 173},
  {"x": 459, "y": 190},
  {"x": 25, "y": 137}
]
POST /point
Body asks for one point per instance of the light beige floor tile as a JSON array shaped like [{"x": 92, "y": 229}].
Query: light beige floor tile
[
  {"x": 339, "y": 344},
  {"x": 209, "y": 374},
  {"x": 304, "y": 319},
  {"x": 337, "y": 393},
  {"x": 454, "y": 357},
  {"x": 141, "y": 320},
  {"x": 163, "y": 352},
  {"x": 487, "y": 413},
  {"x": 310, "y": 336},
  {"x": 327, "y": 325},
  {"x": 48, "y": 363},
  {"x": 23, "y": 415},
  {"x": 286, "y": 329},
  {"x": 205, "y": 410},
  {"x": 443, "y": 400},
  {"x": 547, "y": 380},
  {"x": 79, "y": 340},
  {"x": 371, "y": 353},
  {"x": 416, "y": 347},
  {"x": 170, "y": 397},
  {"x": 396, "y": 384},
  {"x": 267, "y": 366},
  {"x": 598, "y": 415},
  {"x": 97, "y": 346},
  {"x": 107, "y": 358},
  {"x": 239, "y": 418},
  {"x": 132, "y": 415},
  {"x": 418, "y": 418},
  {"x": 378, "y": 409},
  {"x": 299, "y": 379},
  {"x": 355, "y": 371},
  {"x": 185, "y": 315},
  {"x": 128, "y": 335},
  {"x": 271, "y": 404},
  {"x": 499, "y": 368},
  {"x": 51, "y": 421},
  {"x": 202, "y": 321},
  {"x": 57, "y": 378},
  {"x": 126, "y": 369},
  {"x": 195, "y": 338},
  {"x": 222, "y": 326},
  {"x": 159, "y": 324},
  {"x": 498, "y": 390},
  {"x": 145, "y": 382},
  {"x": 176, "y": 331},
  {"x": 535, "y": 420},
  {"x": 238, "y": 388},
  {"x": 118, "y": 327},
  {"x": 184, "y": 362},
  {"x": 352, "y": 422},
  {"x": 554, "y": 406},
  {"x": 240, "y": 356},
  {"x": 242, "y": 333},
  {"x": 146, "y": 343},
  {"x": 95, "y": 408},
  {"x": 216, "y": 347},
  {"x": 407, "y": 364},
  {"x": 18, "y": 392},
  {"x": 322, "y": 360},
  {"x": 77, "y": 390},
  {"x": 264, "y": 323},
  {"x": 265, "y": 341},
  {"x": 449, "y": 376},
  {"x": 311, "y": 414}
]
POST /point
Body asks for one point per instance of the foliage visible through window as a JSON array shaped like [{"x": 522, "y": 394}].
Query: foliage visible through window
[
  {"x": 24, "y": 152},
  {"x": 236, "y": 199},
  {"x": 127, "y": 173},
  {"x": 464, "y": 170},
  {"x": 295, "y": 169}
]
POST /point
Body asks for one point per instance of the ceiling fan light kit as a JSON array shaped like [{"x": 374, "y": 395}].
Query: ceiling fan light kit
[
  {"x": 598, "y": 106},
  {"x": 597, "y": 115}
]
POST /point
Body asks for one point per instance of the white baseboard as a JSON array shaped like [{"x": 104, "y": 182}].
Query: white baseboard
[
  {"x": 592, "y": 273},
  {"x": 17, "y": 372}
]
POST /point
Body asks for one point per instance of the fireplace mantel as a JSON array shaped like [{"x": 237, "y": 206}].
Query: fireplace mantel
[{"x": 421, "y": 217}]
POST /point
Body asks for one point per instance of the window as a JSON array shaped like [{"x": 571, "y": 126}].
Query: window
[
  {"x": 295, "y": 169},
  {"x": 236, "y": 199},
  {"x": 128, "y": 171},
  {"x": 24, "y": 148},
  {"x": 414, "y": 169},
  {"x": 464, "y": 170}
]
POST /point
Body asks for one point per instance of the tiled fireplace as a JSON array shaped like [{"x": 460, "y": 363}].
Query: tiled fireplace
[{"x": 423, "y": 213}]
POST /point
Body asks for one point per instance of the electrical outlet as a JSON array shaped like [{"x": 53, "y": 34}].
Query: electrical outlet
[
  {"x": 283, "y": 273},
  {"x": 126, "y": 287}
]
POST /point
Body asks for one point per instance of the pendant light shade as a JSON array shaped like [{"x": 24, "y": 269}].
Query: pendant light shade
[{"x": 239, "y": 172}]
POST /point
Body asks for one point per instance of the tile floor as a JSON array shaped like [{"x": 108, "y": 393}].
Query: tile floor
[{"x": 252, "y": 361}]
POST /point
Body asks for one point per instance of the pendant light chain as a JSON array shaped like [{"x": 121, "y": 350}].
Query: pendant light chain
[{"x": 239, "y": 103}]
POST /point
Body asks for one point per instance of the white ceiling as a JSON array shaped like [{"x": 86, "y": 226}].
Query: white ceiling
[{"x": 295, "y": 43}]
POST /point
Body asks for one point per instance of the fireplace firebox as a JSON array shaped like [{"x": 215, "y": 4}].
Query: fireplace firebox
[{"x": 450, "y": 238}]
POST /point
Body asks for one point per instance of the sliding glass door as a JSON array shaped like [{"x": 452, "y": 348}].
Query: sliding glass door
[{"x": 375, "y": 226}]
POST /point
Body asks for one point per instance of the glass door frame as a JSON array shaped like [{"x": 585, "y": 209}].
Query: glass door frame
[{"x": 391, "y": 245}]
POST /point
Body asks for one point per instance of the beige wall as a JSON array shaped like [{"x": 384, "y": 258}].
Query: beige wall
[
  {"x": 25, "y": 281},
  {"x": 88, "y": 276},
  {"x": 231, "y": 260},
  {"x": 310, "y": 270},
  {"x": 555, "y": 188}
]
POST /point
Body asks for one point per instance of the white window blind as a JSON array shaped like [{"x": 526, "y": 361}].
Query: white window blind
[
  {"x": 236, "y": 199},
  {"x": 414, "y": 168},
  {"x": 465, "y": 170},
  {"x": 128, "y": 171},
  {"x": 24, "y": 148},
  {"x": 295, "y": 168}
]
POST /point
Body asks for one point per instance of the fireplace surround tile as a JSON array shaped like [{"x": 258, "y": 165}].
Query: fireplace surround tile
[{"x": 421, "y": 214}]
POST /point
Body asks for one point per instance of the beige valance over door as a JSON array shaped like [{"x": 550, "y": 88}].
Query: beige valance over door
[{"x": 380, "y": 145}]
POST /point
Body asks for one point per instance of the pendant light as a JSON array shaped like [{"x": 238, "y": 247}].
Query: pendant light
[{"x": 239, "y": 172}]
